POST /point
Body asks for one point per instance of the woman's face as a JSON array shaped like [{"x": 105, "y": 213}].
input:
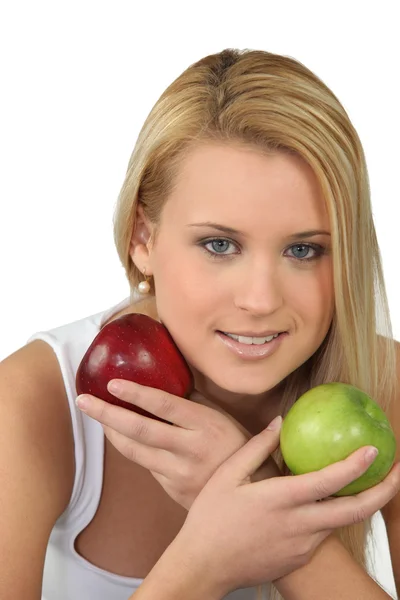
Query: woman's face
[{"x": 262, "y": 275}]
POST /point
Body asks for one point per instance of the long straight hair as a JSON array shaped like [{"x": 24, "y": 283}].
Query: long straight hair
[{"x": 276, "y": 104}]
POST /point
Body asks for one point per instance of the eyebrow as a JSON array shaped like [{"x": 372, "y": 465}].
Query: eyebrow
[{"x": 231, "y": 231}]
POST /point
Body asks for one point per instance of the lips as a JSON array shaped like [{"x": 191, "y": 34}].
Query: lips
[
  {"x": 252, "y": 340},
  {"x": 251, "y": 351},
  {"x": 249, "y": 334}
]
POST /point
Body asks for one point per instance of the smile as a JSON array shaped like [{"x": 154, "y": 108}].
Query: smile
[
  {"x": 251, "y": 340},
  {"x": 249, "y": 350}
]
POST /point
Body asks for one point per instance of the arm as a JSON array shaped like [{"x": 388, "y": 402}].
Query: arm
[
  {"x": 36, "y": 466},
  {"x": 331, "y": 573}
]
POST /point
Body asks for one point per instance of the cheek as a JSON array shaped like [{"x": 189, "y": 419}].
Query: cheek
[
  {"x": 327, "y": 288},
  {"x": 183, "y": 286},
  {"x": 324, "y": 301},
  {"x": 313, "y": 297},
  {"x": 182, "y": 269}
]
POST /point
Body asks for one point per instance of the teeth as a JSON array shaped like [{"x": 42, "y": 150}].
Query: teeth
[{"x": 251, "y": 340}]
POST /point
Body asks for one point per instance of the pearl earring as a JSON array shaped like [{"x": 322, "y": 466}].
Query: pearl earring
[{"x": 144, "y": 286}]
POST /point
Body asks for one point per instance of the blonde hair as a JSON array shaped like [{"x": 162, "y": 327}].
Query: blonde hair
[{"x": 275, "y": 103}]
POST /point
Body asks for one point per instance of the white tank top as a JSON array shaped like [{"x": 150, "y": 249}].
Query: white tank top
[{"x": 67, "y": 575}]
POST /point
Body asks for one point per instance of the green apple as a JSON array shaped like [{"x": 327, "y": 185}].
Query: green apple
[{"x": 327, "y": 424}]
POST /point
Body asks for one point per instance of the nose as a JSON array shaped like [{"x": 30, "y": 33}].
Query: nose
[{"x": 259, "y": 291}]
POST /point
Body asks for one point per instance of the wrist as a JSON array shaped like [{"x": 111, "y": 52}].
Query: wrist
[
  {"x": 331, "y": 573},
  {"x": 178, "y": 575}
]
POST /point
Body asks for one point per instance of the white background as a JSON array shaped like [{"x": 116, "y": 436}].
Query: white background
[{"x": 78, "y": 79}]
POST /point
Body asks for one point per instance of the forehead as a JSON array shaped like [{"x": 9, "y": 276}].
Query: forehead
[{"x": 230, "y": 181}]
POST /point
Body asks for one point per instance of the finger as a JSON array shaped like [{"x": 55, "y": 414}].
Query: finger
[
  {"x": 245, "y": 462},
  {"x": 348, "y": 510},
  {"x": 329, "y": 480},
  {"x": 153, "y": 459},
  {"x": 134, "y": 426},
  {"x": 200, "y": 399},
  {"x": 267, "y": 470},
  {"x": 174, "y": 409}
]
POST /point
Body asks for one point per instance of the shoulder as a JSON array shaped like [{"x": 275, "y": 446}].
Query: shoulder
[
  {"x": 36, "y": 464},
  {"x": 32, "y": 394},
  {"x": 391, "y": 512}
]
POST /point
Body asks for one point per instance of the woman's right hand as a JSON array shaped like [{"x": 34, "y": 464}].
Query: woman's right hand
[{"x": 243, "y": 534}]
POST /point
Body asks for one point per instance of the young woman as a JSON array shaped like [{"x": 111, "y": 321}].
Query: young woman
[{"x": 246, "y": 207}]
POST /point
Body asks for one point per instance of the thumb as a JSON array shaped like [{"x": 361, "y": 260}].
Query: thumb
[{"x": 240, "y": 466}]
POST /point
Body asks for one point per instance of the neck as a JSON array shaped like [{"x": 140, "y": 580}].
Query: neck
[{"x": 253, "y": 412}]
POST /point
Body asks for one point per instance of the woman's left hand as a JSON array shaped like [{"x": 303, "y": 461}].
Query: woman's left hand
[{"x": 182, "y": 458}]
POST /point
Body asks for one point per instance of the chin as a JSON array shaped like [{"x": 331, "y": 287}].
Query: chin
[{"x": 249, "y": 388}]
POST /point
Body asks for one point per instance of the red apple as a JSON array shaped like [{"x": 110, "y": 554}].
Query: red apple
[{"x": 137, "y": 348}]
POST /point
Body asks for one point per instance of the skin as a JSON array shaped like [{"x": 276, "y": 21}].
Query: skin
[
  {"x": 255, "y": 283},
  {"x": 260, "y": 285}
]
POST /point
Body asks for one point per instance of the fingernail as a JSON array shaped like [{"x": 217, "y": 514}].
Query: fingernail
[
  {"x": 371, "y": 453},
  {"x": 275, "y": 424},
  {"x": 114, "y": 386},
  {"x": 82, "y": 402}
]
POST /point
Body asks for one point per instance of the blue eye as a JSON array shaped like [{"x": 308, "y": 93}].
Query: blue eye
[
  {"x": 219, "y": 247},
  {"x": 306, "y": 248}
]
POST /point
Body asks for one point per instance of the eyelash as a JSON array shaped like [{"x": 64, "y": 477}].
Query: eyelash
[{"x": 320, "y": 250}]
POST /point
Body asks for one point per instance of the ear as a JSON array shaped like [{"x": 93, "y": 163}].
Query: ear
[{"x": 141, "y": 240}]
